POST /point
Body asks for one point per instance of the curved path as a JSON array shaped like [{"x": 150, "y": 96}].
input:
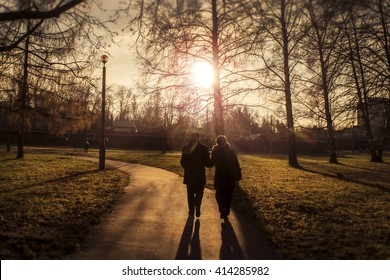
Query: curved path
[{"x": 150, "y": 221}]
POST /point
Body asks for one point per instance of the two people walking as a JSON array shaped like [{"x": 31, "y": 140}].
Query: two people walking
[{"x": 195, "y": 158}]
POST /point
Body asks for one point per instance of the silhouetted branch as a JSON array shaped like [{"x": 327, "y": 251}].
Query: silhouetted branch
[{"x": 31, "y": 14}]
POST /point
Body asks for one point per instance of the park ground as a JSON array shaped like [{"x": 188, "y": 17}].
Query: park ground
[{"x": 318, "y": 211}]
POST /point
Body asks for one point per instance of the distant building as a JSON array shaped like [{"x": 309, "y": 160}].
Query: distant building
[{"x": 124, "y": 126}]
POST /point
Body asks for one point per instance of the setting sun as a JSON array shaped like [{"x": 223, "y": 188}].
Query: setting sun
[{"x": 202, "y": 74}]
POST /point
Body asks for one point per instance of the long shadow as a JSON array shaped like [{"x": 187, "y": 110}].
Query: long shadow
[
  {"x": 263, "y": 248},
  {"x": 50, "y": 181},
  {"x": 376, "y": 186},
  {"x": 138, "y": 161},
  {"x": 230, "y": 248},
  {"x": 189, "y": 246},
  {"x": 8, "y": 159},
  {"x": 195, "y": 250},
  {"x": 350, "y": 165},
  {"x": 123, "y": 165},
  {"x": 363, "y": 168}
]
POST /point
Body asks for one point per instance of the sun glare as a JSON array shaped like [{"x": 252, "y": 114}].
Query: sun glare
[{"x": 202, "y": 74}]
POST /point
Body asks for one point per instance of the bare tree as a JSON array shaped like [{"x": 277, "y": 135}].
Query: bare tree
[
  {"x": 123, "y": 99},
  {"x": 383, "y": 36},
  {"x": 11, "y": 12},
  {"x": 56, "y": 55},
  {"x": 280, "y": 29},
  {"x": 175, "y": 36},
  {"x": 327, "y": 64},
  {"x": 367, "y": 48}
]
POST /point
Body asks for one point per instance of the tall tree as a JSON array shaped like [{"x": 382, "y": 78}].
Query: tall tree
[
  {"x": 174, "y": 38},
  {"x": 323, "y": 42},
  {"x": 218, "y": 110},
  {"x": 56, "y": 55},
  {"x": 367, "y": 47},
  {"x": 280, "y": 29},
  {"x": 382, "y": 9},
  {"x": 124, "y": 99}
]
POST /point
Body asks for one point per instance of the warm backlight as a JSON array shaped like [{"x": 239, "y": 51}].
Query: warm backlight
[{"x": 202, "y": 74}]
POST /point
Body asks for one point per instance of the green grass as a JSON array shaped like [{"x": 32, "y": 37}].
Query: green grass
[
  {"x": 48, "y": 203},
  {"x": 308, "y": 213}
]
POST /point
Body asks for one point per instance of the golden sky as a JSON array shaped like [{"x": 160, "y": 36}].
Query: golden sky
[{"x": 121, "y": 66}]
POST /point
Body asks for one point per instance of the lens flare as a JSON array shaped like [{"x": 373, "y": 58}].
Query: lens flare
[{"x": 202, "y": 74}]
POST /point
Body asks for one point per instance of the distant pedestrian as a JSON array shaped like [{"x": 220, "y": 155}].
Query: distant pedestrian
[
  {"x": 86, "y": 146},
  {"x": 195, "y": 157},
  {"x": 227, "y": 174}
]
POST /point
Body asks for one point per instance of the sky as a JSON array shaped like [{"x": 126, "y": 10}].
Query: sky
[{"x": 121, "y": 68}]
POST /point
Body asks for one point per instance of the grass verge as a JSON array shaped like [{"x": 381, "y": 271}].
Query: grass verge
[{"x": 48, "y": 203}]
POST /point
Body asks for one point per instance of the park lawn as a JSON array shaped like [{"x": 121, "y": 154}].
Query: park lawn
[
  {"x": 308, "y": 213},
  {"x": 168, "y": 161},
  {"x": 311, "y": 213},
  {"x": 49, "y": 202}
]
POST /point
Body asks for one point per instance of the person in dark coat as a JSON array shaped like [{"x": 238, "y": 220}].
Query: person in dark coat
[
  {"x": 227, "y": 174},
  {"x": 195, "y": 157},
  {"x": 86, "y": 146}
]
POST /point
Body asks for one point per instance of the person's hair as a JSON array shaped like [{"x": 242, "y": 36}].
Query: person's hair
[
  {"x": 195, "y": 134},
  {"x": 221, "y": 139}
]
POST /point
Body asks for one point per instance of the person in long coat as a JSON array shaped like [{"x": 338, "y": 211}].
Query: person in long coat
[
  {"x": 195, "y": 157},
  {"x": 227, "y": 174}
]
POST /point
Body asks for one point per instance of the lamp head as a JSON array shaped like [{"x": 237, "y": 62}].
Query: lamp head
[{"x": 104, "y": 58}]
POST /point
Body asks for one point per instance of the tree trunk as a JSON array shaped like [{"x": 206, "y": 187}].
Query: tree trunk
[
  {"x": 361, "y": 107},
  {"x": 292, "y": 151},
  {"x": 8, "y": 144},
  {"x": 324, "y": 63},
  {"x": 218, "y": 111},
  {"x": 386, "y": 133},
  {"x": 385, "y": 37},
  {"x": 328, "y": 113},
  {"x": 23, "y": 98}
]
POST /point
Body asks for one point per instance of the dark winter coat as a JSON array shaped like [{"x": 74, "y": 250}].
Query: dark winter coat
[
  {"x": 227, "y": 167},
  {"x": 194, "y": 159}
]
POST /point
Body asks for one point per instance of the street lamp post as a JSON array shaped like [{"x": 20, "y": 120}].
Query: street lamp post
[{"x": 102, "y": 150}]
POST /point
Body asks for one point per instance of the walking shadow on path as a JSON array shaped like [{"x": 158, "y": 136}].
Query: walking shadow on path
[
  {"x": 230, "y": 248},
  {"x": 189, "y": 247}
]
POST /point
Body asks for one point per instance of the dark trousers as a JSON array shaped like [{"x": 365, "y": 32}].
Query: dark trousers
[
  {"x": 224, "y": 195},
  {"x": 194, "y": 196}
]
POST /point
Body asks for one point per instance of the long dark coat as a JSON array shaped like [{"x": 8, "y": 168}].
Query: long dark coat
[
  {"x": 227, "y": 167},
  {"x": 194, "y": 159}
]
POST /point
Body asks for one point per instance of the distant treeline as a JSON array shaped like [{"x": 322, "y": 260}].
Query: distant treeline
[{"x": 157, "y": 141}]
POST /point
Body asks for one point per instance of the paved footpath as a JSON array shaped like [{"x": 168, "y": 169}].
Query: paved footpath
[{"x": 150, "y": 221}]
